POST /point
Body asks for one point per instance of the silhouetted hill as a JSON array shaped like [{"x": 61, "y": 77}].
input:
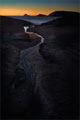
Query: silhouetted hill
[
  {"x": 67, "y": 18},
  {"x": 57, "y": 77},
  {"x": 26, "y": 15},
  {"x": 62, "y": 13},
  {"x": 40, "y": 15}
]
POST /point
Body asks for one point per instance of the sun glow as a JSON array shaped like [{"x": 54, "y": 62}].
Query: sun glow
[
  {"x": 31, "y": 9},
  {"x": 24, "y": 10}
]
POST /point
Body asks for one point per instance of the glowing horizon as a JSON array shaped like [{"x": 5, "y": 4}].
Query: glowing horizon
[
  {"x": 30, "y": 7},
  {"x": 21, "y": 11},
  {"x": 32, "y": 11}
]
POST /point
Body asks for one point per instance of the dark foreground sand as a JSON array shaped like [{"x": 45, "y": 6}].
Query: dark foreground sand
[
  {"x": 16, "y": 90},
  {"x": 57, "y": 74},
  {"x": 55, "y": 91}
]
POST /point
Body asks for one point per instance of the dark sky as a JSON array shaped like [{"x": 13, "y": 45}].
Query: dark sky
[{"x": 72, "y": 2}]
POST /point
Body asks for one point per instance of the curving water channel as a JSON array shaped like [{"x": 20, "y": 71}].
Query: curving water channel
[{"x": 24, "y": 63}]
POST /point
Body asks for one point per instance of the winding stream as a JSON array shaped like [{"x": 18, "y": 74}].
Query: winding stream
[
  {"x": 24, "y": 63},
  {"x": 31, "y": 49}
]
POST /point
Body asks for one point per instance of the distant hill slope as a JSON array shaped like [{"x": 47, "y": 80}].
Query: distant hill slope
[
  {"x": 8, "y": 24},
  {"x": 26, "y": 15},
  {"x": 67, "y": 18},
  {"x": 62, "y": 13},
  {"x": 40, "y": 15}
]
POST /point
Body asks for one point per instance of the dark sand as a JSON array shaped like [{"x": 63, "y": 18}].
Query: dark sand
[
  {"x": 57, "y": 70},
  {"x": 16, "y": 90},
  {"x": 56, "y": 84}
]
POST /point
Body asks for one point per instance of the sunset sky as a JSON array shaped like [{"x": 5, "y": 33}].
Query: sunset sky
[{"x": 34, "y": 7}]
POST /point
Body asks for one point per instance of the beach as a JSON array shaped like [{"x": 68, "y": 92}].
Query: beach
[{"x": 46, "y": 85}]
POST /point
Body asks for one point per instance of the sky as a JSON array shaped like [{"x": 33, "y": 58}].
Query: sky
[{"x": 34, "y": 7}]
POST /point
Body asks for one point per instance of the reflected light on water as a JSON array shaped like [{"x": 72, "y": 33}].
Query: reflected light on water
[{"x": 25, "y": 28}]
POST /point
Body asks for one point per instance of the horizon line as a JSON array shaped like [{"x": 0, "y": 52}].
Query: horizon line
[{"x": 40, "y": 13}]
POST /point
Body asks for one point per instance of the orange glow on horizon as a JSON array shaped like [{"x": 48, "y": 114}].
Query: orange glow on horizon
[
  {"x": 30, "y": 10},
  {"x": 21, "y": 11}
]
